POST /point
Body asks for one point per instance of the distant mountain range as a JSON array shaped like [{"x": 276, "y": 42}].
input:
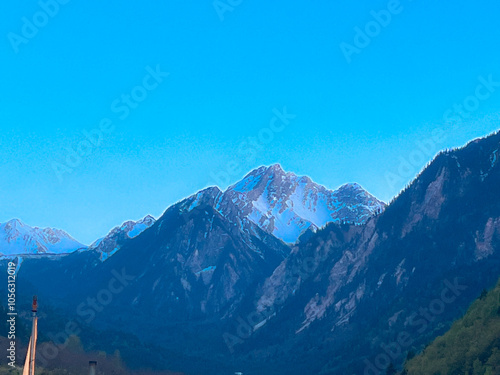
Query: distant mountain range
[
  {"x": 17, "y": 238},
  {"x": 280, "y": 203},
  {"x": 280, "y": 275}
]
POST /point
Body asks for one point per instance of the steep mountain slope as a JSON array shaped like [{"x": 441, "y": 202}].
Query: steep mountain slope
[
  {"x": 184, "y": 275},
  {"x": 471, "y": 346},
  {"x": 287, "y": 205},
  {"x": 361, "y": 287},
  {"x": 198, "y": 263},
  {"x": 17, "y": 238},
  {"x": 114, "y": 240}
]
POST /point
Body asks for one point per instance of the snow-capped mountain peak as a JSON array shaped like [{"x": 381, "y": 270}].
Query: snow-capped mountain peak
[
  {"x": 140, "y": 226},
  {"x": 112, "y": 242},
  {"x": 17, "y": 238},
  {"x": 280, "y": 203},
  {"x": 286, "y": 205}
]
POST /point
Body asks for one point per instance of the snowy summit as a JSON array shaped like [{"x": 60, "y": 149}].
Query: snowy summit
[{"x": 17, "y": 238}]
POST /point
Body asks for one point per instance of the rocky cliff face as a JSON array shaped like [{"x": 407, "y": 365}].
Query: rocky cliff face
[
  {"x": 115, "y": 239},
  {"x": 191, "y": 264},
  {"x": 287, "y": 205},
  {"x": 198, "y": 263},
  {"x": 412, "y": 269}
]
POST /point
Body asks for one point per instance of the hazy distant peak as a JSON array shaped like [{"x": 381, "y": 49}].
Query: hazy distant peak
[{"x": 18, "y": 238}]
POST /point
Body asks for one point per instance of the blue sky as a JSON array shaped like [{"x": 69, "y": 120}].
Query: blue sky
[{"x": 376, "y": 120}]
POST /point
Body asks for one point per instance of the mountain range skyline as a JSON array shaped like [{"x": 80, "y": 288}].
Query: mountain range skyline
[
  {"x": 210, "y": 265},
  {"x": 106, "y": 242},
  {"x": 250, "y": 187},
  {"x": 344, "y": 122},
  {"x": 269, "y": 172},
  {"x": 89, "y": 239},
  {"x": 98, "y": 226}
]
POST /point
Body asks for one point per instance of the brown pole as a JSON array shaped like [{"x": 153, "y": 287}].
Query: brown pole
[{"x": 34, "y": 310}]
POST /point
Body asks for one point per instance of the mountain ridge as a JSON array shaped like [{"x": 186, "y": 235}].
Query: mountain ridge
[
  {"x": 112, "y": 242},
  {"x": 18, "y": 238},
  {"x": 287, "y": 205},
  {"x": 295, "y": 205}
]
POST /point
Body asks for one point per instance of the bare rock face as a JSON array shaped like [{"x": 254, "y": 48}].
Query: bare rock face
[
  {"x": 113, "y": 241},
  {"x": 193, "y": 263},
  {"x": 286, "y": 205},
  {"x": 441, "y": 235}
]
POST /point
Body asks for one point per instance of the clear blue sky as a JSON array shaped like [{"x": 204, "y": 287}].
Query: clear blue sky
[{"x": 354, "y": 121}]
